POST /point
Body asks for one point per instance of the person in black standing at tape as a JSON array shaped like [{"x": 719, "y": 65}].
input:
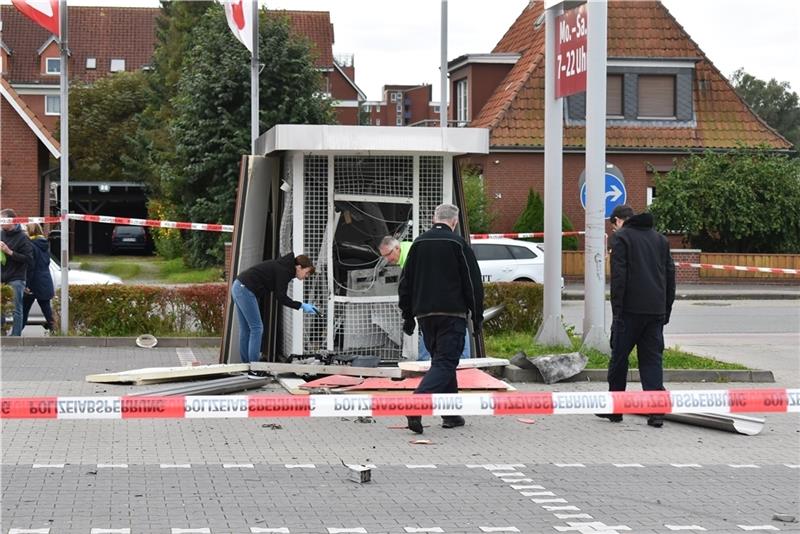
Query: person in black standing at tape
[
  {"x": 441, "y": 286},
  {"x": 642, "y": 293},
  {"x": 258, "y": 281},
  {"x": 16, "y": 255}
]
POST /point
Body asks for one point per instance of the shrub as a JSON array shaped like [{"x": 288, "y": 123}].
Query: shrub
[
  {"x": 523, "y": 306},
  {"x": 6, "y": 308},
  {"x": 532, "y": 220},
  {"x": 119, "y": 310},
  {"x": 478, "y": 205}
]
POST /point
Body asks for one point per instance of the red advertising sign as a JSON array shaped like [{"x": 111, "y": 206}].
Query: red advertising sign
[{"x": 571, "y": 60}]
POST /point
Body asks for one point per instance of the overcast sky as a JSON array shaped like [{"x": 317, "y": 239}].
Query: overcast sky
[{"x": 397, "y": 42}]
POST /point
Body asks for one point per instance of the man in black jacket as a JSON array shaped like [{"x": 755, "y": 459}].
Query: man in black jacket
[
  {"x": 17, "y": 256},
  {"x": 642, "y": 293},
  {"x": 441, "y": 286}
]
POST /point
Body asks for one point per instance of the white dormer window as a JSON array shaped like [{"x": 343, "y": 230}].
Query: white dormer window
[
  {"x": 117, "y": 65},
  {"x": 52, "y": 65},
  {"x": 52, "y": 105},
  {"x": 91, "y": 63}
]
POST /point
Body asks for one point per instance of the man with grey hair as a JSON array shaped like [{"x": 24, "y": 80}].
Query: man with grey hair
[{"x": 440, "y": 287}]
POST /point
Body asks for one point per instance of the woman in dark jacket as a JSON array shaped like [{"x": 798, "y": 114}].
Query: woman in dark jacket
[
  {"x": 39, "y": 283},
  {"x": 271, "y": 276}
]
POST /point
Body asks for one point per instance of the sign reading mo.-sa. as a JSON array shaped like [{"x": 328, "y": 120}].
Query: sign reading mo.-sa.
[
  {"x": 571, "y": 60},
  {"x": 615, "y": 193}
]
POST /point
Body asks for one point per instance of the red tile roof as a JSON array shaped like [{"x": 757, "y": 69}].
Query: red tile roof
[
  {"x": 317, "y": 28},
  {"x": 515, "y": 114},
  {"x": 104, "y": 33}
]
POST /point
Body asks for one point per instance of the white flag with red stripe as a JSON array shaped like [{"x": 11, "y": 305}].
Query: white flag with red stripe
[
  {"x": 42, "y": 12},
  {"x": 240, "y": 20}
]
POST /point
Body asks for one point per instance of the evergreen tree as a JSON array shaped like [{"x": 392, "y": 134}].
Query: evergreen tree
[{"x": 532, "y": 220}]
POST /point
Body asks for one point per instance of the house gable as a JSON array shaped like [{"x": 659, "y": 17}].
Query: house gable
[
  {"x": 30, "y": 118},
  {"x": 637, "y": 31}
]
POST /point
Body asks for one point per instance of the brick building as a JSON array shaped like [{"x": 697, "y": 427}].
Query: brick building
[
  {"x": 665, "y": 99},
  {"x": 402, "y": 105},
  {"x": 103, "y": 40}
]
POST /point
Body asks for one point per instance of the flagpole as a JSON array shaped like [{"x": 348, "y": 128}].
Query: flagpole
[
  {"x": 64, "y": 111},
  {"x": 254, "y": 128}
]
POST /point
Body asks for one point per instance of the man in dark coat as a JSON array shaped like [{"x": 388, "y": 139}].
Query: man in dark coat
[
  {"x": 642, "y": 293},
  {"x": 441, "y": 286},
  {"x": 39, "y": 282},
  {"x": 17, "y": 256}
]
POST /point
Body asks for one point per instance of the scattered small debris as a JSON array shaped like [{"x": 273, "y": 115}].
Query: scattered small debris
[
  {"x": 273, "y": 426},
  {"x": 364, "y": 419},
  {"x": 421, "y": 442},
  {"x": 786, "y": 518},
  {"x": 397, "y": 427},
  {"x": 358, "y": 473},
  {"x": 526, "y": 421}
]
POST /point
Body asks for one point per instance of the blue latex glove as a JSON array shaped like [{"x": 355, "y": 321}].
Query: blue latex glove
[{"x": 309, "y": 308}]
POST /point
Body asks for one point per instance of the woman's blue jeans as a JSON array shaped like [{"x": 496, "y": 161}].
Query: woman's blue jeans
[{"x": 251, "y": 327}]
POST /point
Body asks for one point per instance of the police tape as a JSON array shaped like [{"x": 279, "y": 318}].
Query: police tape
[
  {"x": 127, "y": 221},
  {"x": 520, "y": 235},
  {"x": 771, "y": 270},
  {"x": 527, "y": 403}
]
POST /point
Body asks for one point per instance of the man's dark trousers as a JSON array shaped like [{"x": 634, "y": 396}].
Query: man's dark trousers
[
  {"x": 444, "y": 339},
  {"x": 646, "y": 332}
]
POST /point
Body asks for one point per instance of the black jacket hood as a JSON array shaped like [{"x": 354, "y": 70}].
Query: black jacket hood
[{"x": 642, "y": 220}]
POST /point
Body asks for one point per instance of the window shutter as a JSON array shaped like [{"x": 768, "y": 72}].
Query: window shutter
[
  {"x": 614, "y": 96},
  {"x": 656, "y": 96}
]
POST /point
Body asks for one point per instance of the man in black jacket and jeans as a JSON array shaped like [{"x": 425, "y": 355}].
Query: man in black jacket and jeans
[
  {"x": 17, "y": 256},
  {"x": 440, "y": 287},
  {"x": 642, "y": 293}
]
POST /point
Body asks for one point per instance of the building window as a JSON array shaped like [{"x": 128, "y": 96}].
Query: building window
[
  {"x": 377, "y": 109},
  {"x": 656, "y": 97},
  {"x": 91, "y": 63},
  {"x": 399, "y": 108},
  {"x": 462, "y": 111},
  {"x": 367, "y": 108},
  {"x": 393, "y": 97},
  {"x": 614, "y": 106},
  {"x": 377, "y": 122},
  {"x": 436, "y": 109},
  {"x": 399, "y": 121},
  {"x": 52, "y": 105},
  {"x": 117, "y": 65},
  {"x": 53, "y": 65},
  {"x": 651, "y": 195}
]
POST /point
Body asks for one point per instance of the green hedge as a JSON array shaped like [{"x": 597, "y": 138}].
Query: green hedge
[
  {"x": 523, "y": 306},
  {"x": 121, "y": 310}
]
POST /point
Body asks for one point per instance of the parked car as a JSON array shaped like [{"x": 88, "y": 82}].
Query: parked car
[
  {"x": 510, "y": 260},
  {"x": 130, "y": 239},
  {"x": 77, "y": 277}
]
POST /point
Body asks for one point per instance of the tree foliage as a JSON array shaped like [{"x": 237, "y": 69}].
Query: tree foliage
[
  {"x": 211, "y": 123},
  {"x": 532, "y": 220},
  {"x": 478, "y": 205},
  {"x": 746, "y": 201},
  {"x": 103, "y": 120},
  {"x": 773, "y": 101}
]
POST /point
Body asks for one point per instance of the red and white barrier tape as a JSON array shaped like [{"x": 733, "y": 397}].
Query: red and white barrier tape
[
  {"x": 121, "y": 220},
  {"x": 542, "y": 403},
  {"x": 772, "y": 270},
  {"x": 529, "y": 235}
]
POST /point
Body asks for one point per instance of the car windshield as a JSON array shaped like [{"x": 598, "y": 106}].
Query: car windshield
[{"x": 129, "y": 231}]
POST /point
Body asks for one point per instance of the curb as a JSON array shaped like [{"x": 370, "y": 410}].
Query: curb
[
  {"x": 87, "y": 341},
  {"x": 512, "y": 373},
  {"x": 579, "y": 295}
]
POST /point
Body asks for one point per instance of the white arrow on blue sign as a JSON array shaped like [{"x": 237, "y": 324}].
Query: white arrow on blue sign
[{"x": 615, "y": 193}]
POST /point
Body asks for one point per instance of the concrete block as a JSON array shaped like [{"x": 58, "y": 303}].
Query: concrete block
[
  {"x": 512, "y": 373},
  {"x": 557, "y": 367}
]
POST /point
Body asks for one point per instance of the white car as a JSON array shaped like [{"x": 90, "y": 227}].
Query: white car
[
  {"x": 77, "y": 277},
  {"x": 510, "y": 260}
]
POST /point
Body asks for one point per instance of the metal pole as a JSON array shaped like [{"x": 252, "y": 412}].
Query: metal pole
[
  {"x": 552, "y": 330},
  {"x": 594, "y": 335},
  {"x": 254, "y": 68},
  {"x": 64, "y": 111},
  {"x": 443, "y": 70}
]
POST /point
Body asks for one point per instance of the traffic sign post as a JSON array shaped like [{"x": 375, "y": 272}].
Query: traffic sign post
[{"x": 615, "y": 192}]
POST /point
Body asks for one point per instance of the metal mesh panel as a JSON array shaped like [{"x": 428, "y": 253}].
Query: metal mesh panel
[
  {"x": 430, "y": 189},
  {"x": 369, "y": 328},
  {"x": 315, "y": 223},
  {"x": 285, "y": 235},
  {"x": 374, "y": 175}
]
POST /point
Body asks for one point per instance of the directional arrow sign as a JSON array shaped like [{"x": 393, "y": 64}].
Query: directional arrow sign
[{"x": 615, "y": 193}]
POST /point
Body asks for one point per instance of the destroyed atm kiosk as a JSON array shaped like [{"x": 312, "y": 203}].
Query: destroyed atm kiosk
[{"x": 333, "y": 192}]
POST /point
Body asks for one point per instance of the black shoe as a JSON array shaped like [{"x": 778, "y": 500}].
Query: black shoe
[
  {"x": 415, "y": 423},
  {"x": 613, "y": 417},
  {"x": 656, "y": 421},
  {"x": 256, "y": 374},
  {"x": 452, "y": 421}
]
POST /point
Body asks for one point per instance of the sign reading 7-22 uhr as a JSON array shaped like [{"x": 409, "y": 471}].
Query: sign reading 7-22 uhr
[{"x": 571, "y": 61}]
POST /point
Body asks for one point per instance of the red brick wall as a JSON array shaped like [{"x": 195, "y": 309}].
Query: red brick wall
[
  {"x": 36, "y": 103},
  {"x": 340, "y": 88},
  {"x": 18, "y": 163},
  {"x": 347, "y": 115},
  {"x": 686, "y": 274}
]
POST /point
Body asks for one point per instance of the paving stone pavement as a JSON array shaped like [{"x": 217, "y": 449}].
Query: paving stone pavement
[{"x": 497, "y": 474}]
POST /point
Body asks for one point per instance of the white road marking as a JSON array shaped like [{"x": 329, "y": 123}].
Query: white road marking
[
  {"x": 415, "y": 529},
  {"x": 628, "y": 465},
  {"x": 551, "y": 508},
  {"x": 686, "y": 465},
  {"x": 46, "y": 466},
  {"x": 112, "y": 466},
  {"x": 537, "y": 493},
  {"x": 499, "y": 529},
  {"x": 29, "y": 531},
  {"x": 524, "y": 487},
  {"x": 359, "y": 530},
  {"x": 238, "y": 466},
  {"x": 745, "y": 466},
  {"x": 509, "y": 475},
  {"x": 110, "y": 531},
  {"x": 300, "y": 466},
  {"x": 757, "y": 527},
  {"x": 204, "y": 530},
  {"x": 495, "y": 467},
  {"x": 542, "y": 501},
  {"x": 262, "y": 530},
  {"x": 176, "y": 466},
  {"x": 517, "y": 479},
  {"x": 685, "y": 527},
  {"x": 569, "y": 465},
  {"x": 792, "y": 466},
  {"x": 420, "y": 466},
  {"x": 573, "y": 516},
  {"x": 595, "y": 527}
]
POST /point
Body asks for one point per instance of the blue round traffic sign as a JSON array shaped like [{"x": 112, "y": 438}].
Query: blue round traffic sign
[{"x": 615, "y": 193}]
